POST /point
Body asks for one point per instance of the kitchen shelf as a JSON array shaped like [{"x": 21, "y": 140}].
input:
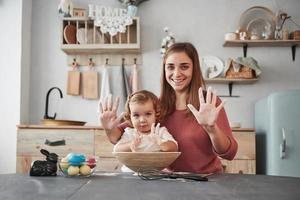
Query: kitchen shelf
[
  {"x": 263, "y": 43},
  {"x": 100, "y": 48},
  {"x": 230, "y": 83},
  {"x": 101, "y": 42}
]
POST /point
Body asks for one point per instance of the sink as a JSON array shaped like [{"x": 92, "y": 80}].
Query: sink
[{"x": 56, "y": 122}]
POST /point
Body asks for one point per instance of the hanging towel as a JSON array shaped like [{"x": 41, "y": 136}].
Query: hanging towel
[
  {"x": 126, "y": 87},
  {"x": 105, "y": 85},
  {"x": 118, "y": 81},
  {"x": 134, "y": 78}
]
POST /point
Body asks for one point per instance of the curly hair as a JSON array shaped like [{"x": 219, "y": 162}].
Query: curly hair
[{"x": 142, "y": 97}]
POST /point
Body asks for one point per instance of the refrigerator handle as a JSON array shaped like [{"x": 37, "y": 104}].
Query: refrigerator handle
[{"x": 283, "y": 145}]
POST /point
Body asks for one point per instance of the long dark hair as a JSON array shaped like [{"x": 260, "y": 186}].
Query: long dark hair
[{"x": 167, "y": 93}]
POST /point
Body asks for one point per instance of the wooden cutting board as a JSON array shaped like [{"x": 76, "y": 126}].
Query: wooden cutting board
[
  {"x": 73, "y": 85},
  {"x": 90, "y": 89}
]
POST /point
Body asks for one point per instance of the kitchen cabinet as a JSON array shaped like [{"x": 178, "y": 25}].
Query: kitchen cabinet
[
  {"x": 245, "y": 159},
  {"x": 93, "y": 141},
  {"x": 87, "y": 140}
]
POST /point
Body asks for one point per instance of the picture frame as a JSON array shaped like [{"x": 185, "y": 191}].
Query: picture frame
[{"x": 79, "y": 12}]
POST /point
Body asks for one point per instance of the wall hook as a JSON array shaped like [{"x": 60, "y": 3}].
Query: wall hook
[
  {"x": 74, "y": 63},
  {"x": 135, "y": 61},
  {"x": 106, "y": 62},
  {"x": 91, "y": 62}
]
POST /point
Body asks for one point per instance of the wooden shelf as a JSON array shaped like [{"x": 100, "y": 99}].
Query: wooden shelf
[
  {"x": 100, "y": 48},
  {"x": 263, "y": 43},
  {"x": 127, "y": 42},
  {"x": 230, "y": 83},
  {"x": 225, "y": 80}
]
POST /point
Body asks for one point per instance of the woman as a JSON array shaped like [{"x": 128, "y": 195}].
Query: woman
[{"x": 202, "y": 132}]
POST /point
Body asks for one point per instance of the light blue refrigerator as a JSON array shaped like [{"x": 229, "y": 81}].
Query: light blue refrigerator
[{"x": 277, "y": 124}]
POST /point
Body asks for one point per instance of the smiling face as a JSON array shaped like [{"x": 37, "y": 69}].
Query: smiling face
[
  {"x": 179, "y": 71},
  {"x": 142, "y": 115}
]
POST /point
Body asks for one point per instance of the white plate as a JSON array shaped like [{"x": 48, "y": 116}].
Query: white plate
[
  {"x": 211, "y": 66},
  {"x": 260, "y": 27},
  {"x": 261, "y": 18},
  {"x": 90, "y": 34}
]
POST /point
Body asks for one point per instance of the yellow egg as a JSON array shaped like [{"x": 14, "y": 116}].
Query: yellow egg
[
  {"x": 73, "y": 170},
  {"x": 85, "y": 170},
  {"x": 65, "y": 159},
  {"x": 64, "y": 165}
]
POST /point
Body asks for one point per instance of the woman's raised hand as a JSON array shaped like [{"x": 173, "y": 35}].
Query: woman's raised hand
[
  {"x": 208, "y": 112},
  {"x": 108, "y": 113}
]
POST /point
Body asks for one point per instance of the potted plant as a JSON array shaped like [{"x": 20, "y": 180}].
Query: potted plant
[{"x": 132, "y": 6}]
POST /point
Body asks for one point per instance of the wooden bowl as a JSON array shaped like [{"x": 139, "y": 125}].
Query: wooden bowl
[{"x": 146, "y": 160}]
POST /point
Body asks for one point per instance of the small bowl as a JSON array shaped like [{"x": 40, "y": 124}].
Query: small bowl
[
  {"x": 138, "y": 161},
  {"x": 83, "y": 169}
]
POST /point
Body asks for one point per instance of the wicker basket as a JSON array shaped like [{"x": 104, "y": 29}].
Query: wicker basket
[{"x": 244, "y": 72}]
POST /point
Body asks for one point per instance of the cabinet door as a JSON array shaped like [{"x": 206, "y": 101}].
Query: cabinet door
[
  {"x": 239, "y": 166},
  {"x": 31, "y": 141},
  {"x": 246, "y": 145},
  {"x": 245, "y": 159},
  {"x": 104, "y": 149}
]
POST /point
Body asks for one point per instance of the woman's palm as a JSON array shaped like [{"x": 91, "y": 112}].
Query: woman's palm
[{"x": 208, "y": 112}]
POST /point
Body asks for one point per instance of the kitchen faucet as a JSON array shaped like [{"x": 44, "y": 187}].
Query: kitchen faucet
[{"x": 46, "y": 116}]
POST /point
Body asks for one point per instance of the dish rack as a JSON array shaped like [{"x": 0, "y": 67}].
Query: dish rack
[{"x": 80, "y": 35}]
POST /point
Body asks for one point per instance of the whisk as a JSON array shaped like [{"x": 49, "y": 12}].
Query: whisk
[{"x": 154, "y": 174}]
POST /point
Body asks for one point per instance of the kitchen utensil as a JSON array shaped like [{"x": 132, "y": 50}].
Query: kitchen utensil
[
  {"x": 70, "y": 34},
  {"x": 211, "y": 66},
  {"x": 73, "y": 83},
  {"x": 90, "y": 83},
  {"x": 257, "y": 16},
  {"x": 150, "y": 174}
]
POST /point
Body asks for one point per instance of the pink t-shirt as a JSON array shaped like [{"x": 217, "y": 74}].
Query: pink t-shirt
[{"x": 197, "y": 153}]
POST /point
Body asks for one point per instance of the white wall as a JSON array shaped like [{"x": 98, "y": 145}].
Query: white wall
[
  {"x": 203, "y": 23},
  {"x": 25, "y": 61},
  {"x": 10, "y": 76}
]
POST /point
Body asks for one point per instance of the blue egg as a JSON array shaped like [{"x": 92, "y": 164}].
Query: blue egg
[{"x": 76, "y": 159}]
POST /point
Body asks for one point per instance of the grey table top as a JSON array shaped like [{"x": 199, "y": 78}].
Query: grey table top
[{"x": 127, "y": 186}]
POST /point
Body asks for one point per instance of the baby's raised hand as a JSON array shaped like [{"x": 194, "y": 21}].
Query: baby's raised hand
[
  {"x": 156, "y": 134},
  {"x": 135, "y": 143},
  {"x": 108, "y": 113}
]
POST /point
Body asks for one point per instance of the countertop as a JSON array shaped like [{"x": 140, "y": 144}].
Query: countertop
[
  {"x": 127, "y": 186},
  {"x": 23, "y": 126},
  {"x": 30, "y": 126}
]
